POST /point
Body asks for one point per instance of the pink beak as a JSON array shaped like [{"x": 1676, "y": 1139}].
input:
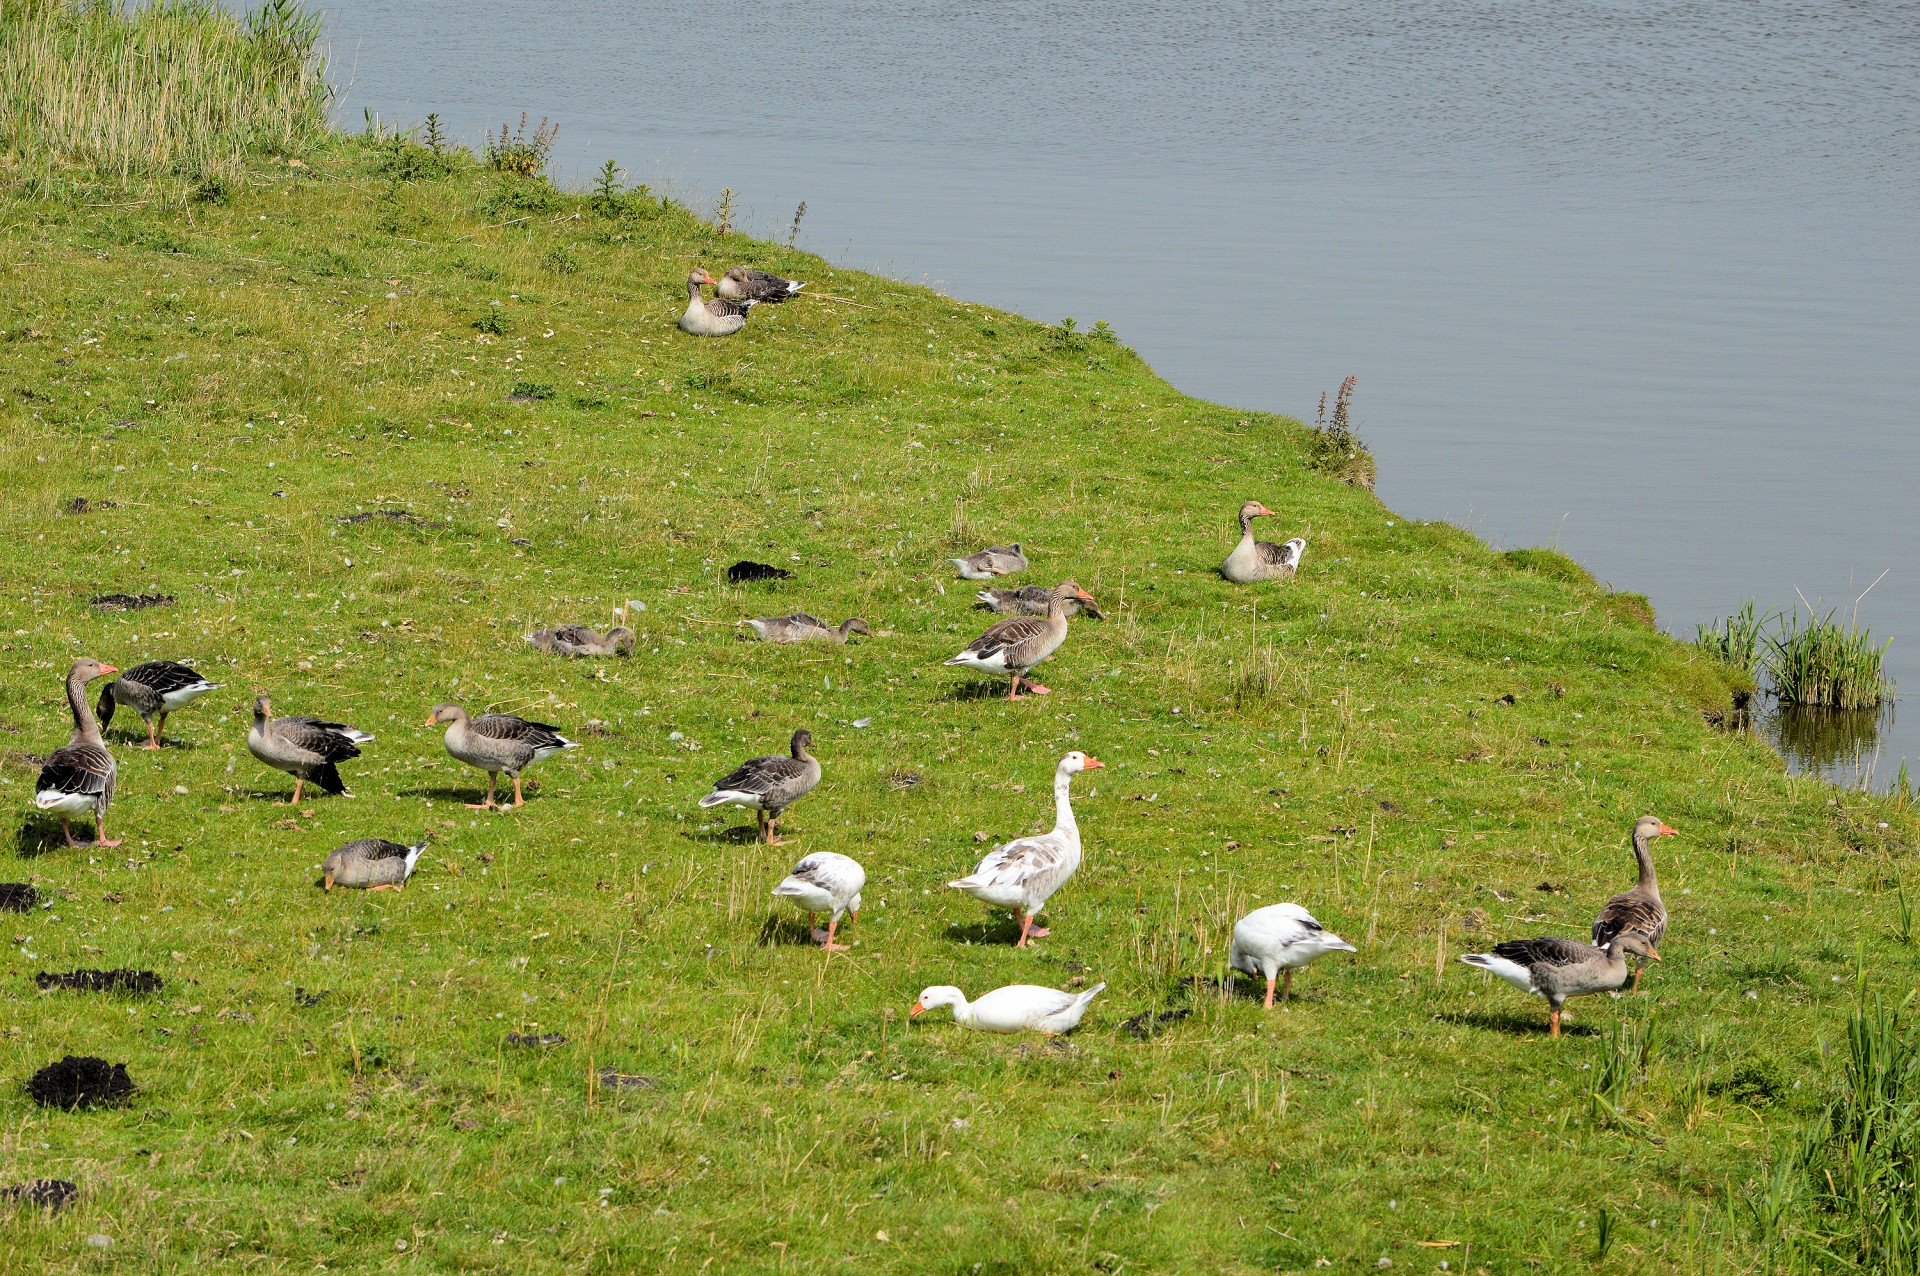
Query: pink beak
[{"x": 1093, "y": 764}]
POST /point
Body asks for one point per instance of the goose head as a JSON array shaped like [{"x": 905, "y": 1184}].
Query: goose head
[
  {"x": 622, "y": 638},
  {"x": 935, "y": 997},
  {"x": 1651, "y": 826},
  {"x": 855, "y": 625},
  {"x": 446, "y": 713},
  {"x": 262, "y": 708},
  {"x": 801, "y": 742},
  {"x": 1076, "y": 762},
  {"x": 1632, "y": 942},
  {"x": 86, "y": 669},
  {"x": 695, "y": 278},
  {"x": 1254, "y": 509}
]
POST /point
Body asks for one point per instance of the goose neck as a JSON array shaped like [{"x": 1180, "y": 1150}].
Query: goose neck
[
  {"x": 1643, "y": 856},
  {"x": 1062, "y": 801},
  {"x": 85, "y": 726}
]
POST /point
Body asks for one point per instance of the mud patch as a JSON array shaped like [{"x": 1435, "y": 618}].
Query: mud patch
[
  {"x": 131, "y": 602},
  {"x": 905, "y": 780},
  {"x": 122, "y": 980},
  {"x": 81, "y": 505},
  {"x": 536, "y": 1040},
  {"x": 614, "y": 1079},
  {"x": 747, "y": 570},
  {"x": 80, "y": 1081},
  {"x": 394, "y": 516},
  {"x": 301, "y": 997},
  {"x": 17, "y": 897},
  {"x": 47, "y": 1194},
  {"x": 1147, "y": 1023}
]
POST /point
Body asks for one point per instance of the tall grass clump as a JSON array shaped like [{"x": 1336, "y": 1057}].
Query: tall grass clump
[
  {"x": 1823, "y": 662},
  {"x": 1337, "y": 449},
  {"x": 165, "y": 99},
  {"x": 1738, "y": 641}
]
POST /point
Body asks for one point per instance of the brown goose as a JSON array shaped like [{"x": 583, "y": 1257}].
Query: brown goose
[
  {"x": 995, "y": 560},
  {"x": 497, "y": 742},
  {"x": 801, "y": 627},
  {"x": 743, "y": 283},
  {"x": 371, "y": 862},
  {"x": 769, "y": 785},
  {"x": 1032, "y": 600},
  {"x": 77, "y": 778},
  {"x": 717, "y": 318},
  {"x": 305, "y": 748},
  {"x": 578, "y": 640},
  {"x": 1638, "y": 911},
  {"x": 153, "y": 690},
  {"x": 1253, "y": 560},
  {"x": 1557, "y": 969},
  {"x": 1016, "y": 645}
]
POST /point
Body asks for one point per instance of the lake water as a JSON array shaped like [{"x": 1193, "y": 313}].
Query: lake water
[{"x": 1637, "y": 280}]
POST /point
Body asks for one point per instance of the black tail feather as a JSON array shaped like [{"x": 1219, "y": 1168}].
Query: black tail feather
[{"x": 328, "y": 778}]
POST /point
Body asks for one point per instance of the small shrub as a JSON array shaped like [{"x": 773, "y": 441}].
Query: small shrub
[
  {"x": 519, "y": 152},
  {"x": 491, "y": 322},
  {"x": 560, "y": 260},
  {"x": 1337, "y": 450},
  {"x": 793, "y": 231},
  {"x": 608, "y": 199},
  {"x": 1755, "y": 1083},
  {"x": 530, "y": 390}
]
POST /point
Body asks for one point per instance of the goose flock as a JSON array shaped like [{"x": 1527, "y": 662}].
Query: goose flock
[{"x": 1269, "y": 944}]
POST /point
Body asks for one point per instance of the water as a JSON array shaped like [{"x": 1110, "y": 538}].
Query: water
[{"x": 1636, "y": 280}]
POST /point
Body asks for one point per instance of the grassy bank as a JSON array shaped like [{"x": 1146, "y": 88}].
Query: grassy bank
[{"x": 1431, "y": 744}]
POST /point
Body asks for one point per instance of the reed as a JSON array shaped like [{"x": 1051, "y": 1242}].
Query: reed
[
  {"x": 1738, "y": 641},
  {"x": 164, "y": 100},
  {"x": 1820, "y": 661}
]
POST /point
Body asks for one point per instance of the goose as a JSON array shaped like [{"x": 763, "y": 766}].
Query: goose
[
  {"x": 77, "y": 778},
  {"x": 801, "y": 627},
  {"x": 153, "y": 690},
  {"x": 305, "y": 748},
  {"x": 1638, "y": 911},
  {"x": 1032, "y": 600},
  {"x": 825, "y": 882},
  {"x": 995, "y": 560},
  {"x": 1557, "y": 969},
  {"x": 1023, "y": 874},
  {"x": 769, "y": 785},
  {"x": 1015, "y": 645},
  {"x": 578, "y": 640},
  {"x": 1253, "y": 560},
  {"x": 497, "y": 742},
  {"x": 744, "y": 283},
  {"x": 1281, "y": 938},
  {"x": 717, "y": 318},
  {"x": 1015, "y": 1008},
  {"x": 371, "y": 862}
]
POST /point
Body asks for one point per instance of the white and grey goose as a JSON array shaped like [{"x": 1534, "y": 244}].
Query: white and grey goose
[
  {"x": 76, "y": 781},
  {"x": 825, "y": 882},
  {"x": 308, "y": 749},
  {"x": 1033, "y": 600},
  {"x": 579, "y": 640},
  {"x": 1015, "y": 1008},
  {"x": 744, "y": 283},
  {"x": 1015, "y": 645},
  {"x": 498, "y": 743},
  {"x": 995, "y": 560},
  {"x": 1253, "y": 560},
  {"x": 373, "y": 863},
  {"x": 1024, "y": 873},
  {"x": 1281, "y": 938},
  {"x": 153, "y": 690},
  {"x": 1556, "y": 969},
  {"x": 768, "y": 786},
  {"x": 717, "y": 318},
  {"x": 803, "y": 627}
]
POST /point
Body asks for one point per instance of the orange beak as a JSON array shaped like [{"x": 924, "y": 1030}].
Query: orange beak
[
  {"x": 1667, "y": 830},
  {"x": 109, "y": 669},
  {"x": 917, "y": 1009},
  {"x": 1654, "y": 953},
  {"x": 1269, "y": 513},
  {"x": 1093, "y": 764},
  {"x": 432, "y": 719}
]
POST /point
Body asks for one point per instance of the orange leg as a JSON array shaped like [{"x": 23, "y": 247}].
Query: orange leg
[
  {"x": 493, "y": 778},
  {"x": 153, "y": 733},
  {"x": 826, "y": 938},
  {"x": 1553, "y": 1022},
  {"x": 1013, "y": 689},
  {"x": 100, "y": 837},
  {"x": 773, "y": 837},
  {"x": 1269, "y": 994},
  {"x": 519, "y": 798},
  {"x": 383, "y": 886},
  {"x": 298, "y": 783},
  {"x": 1636, "y": 979}
]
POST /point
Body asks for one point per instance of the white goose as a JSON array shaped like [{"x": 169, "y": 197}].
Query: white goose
[
  {"x": 825, "y": 882},
  {"x": 1024, "y": 874},
  {"x": 1281, "y": 937},
  {"x": 1015, "y": 1008}
]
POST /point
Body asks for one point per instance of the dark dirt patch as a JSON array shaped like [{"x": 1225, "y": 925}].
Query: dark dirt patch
[
  {"x": 122, "y": 980},
  {"x": 1146, "y": 1023},
  {"x": 17, "y": 897},
  {"x": 80, "y": 1081},
  {"x": 51, "y": 1194},
  {"x": 614, "y": 1079},
  {"x": 81, "y": 505},
  {"x": 131, "y": 602},
  {"x": 536, "y": 1040},
  {"x": 747, "y": 570},
  {"x": 905, "y": 779},
  {"x": 408, "y": 517},
  {"x": 310, "y": 999}
]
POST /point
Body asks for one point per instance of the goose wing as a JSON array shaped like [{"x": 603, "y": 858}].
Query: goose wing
[
  {"x": 835, "y": 874},
  {"x": 764, "y": 285},
  {"x": 329, "y": 741},
  {"x": 1629, "y": 911},
  {"x": 723, "y": 308},
  {"x": 510, "y": 727},
  {"x": 163, "y": 676},
  {"x": 78, "y": 769},
  {"x": 761, "y": 775},
  {"x": 1022, "y": 864},
  {"x": 1006, "y": 633},
  {"x": 1287, "y": 555},
  {"x": 1547, "y": 950}
]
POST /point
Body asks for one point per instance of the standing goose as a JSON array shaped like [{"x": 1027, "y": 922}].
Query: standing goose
[
  {"x": 305, "y": 748},
  {"x": 1032, "y": 600},
  {"x": 1024, "y": 874},
  {"x": 717, "y": 318},
  {"x": 995, "y": 560},
  {"x": 744, "y": 283},
  {"x": 825, "y": 882},
  {"x": 1557, "y": 969},
  {"x": 371, "y": 862},
  {"x": 1638, "y": 911},
  {"x": 578, "y": 640},
  {"x": 77, "y": 779},
  {"x": 153, "y": 690},
  {"x": 1281, "y": 937},
  {"x": 769, "y": 785},
  {"x": 802, "y": 627},
  {"x": 1016, "y": 645},
  {"x": 497, "y": 742},
  {"x": 1011, "y": 1009},
  {"x": 1253, "y": 560}
]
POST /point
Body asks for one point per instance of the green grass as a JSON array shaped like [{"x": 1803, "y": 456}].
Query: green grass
[
  {"x": 1823, "y": 663},
  {"x": 1409, "y": 738}
]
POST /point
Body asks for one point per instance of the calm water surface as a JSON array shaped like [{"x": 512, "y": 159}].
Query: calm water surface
[{"x": 1638, "y": 280}]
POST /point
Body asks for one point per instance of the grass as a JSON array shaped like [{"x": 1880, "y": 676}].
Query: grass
[
  {"x": 1409, "y": 738},
  {"x": 1739, "y": 641},
  {"x": 1822, "y": 663}
]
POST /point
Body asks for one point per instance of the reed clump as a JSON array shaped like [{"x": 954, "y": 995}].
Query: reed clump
[
  {"x": 164, "y": 100},
  {"x": 1738, "y": 641},
  {"x": 1826, "y": 663}
]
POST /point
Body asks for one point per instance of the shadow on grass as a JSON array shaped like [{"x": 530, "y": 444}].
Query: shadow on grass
[
  {"x": 1003, "y": 929},
  {"x": 791, "y": 930},
  {"x": 1514, "y": 1023},
  {"x": 975, "y": 690},
  {"x": 732, "y": 835},
  {"x": 138, "y": 740},
  {"x": 448, "y": 793},
  {"x": 37, "y": 837}
]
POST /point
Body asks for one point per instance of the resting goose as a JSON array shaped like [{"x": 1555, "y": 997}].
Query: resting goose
[
  {"x": 305, "y": 748},
  {"x": 744, "y": 283},
  {"x": 1253, "y": 560},
  {"x": 1016, "y": 645},
  {"x": 153, "y": 690},
  {"x": 1281, "y": 938},
  {"x": 825, "y": 882},
  {"x": 1638, "y": 911},
  {"x": 1024, "y": 874},
  {"x": 769, "y": 785},
  {"x": 801, "y": 627},
  {"x": 578, "y": 640},
  {"x": 717, "y": 318},
  {"x": 1015, "y": 1008},
  {"x": 1032, "y": 600},
  {"x": 1557, "y": 969},
  {"x": 77, "y": 779},
  {"x": 496, "y": 743},
  {"x": 371, "y": 862},
  {"x": 995, "y": 560}
]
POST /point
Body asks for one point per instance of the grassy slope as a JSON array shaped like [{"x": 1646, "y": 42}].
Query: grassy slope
[{"x": 239, "y": 378}]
